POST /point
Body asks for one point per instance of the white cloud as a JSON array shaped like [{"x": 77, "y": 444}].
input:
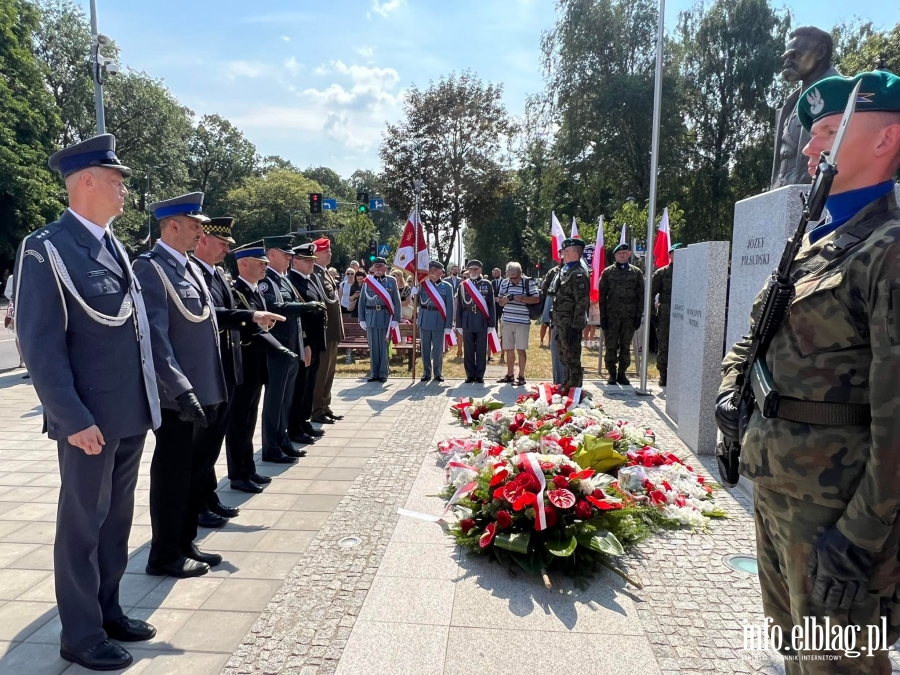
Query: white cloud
[
  {"x": 285, "y": 38},
  {"x": 365, "y": 52},
  {"x": 252, "y": 69},
  {"x": 322, "y": 69},
  {"x": 386, "y": 7},
  {"x": 293, "y": 66}
]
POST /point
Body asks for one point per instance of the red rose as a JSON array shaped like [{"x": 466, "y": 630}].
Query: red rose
[
  {"x": 567, "y": 470},
  {"x": 701, "y": 479},
  {"x": 528, "y": 482},
  {"x": 504, "y": 520},
  {"x": 549, "y": 516},
  {"x": 598, "y": 494},
  {"x": 561, "y": 482},
  {"x": 583, "y": 510},
  {"x": 658, "y": 497},
  {"x": 466, "y": 525}
]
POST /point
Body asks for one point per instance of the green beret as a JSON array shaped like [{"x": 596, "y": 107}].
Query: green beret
[
  {"x": 621, "y": 247},
  {"x": 571, "y": 241},
  {"x": 673, "y": 247},
  {"x": 879, "y": 92}
]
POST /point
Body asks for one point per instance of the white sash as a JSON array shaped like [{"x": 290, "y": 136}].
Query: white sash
[
  {"x": 478, "y": 298},
  {"x": 436, "y": 298},
  {"x": 381, "y": 292}
]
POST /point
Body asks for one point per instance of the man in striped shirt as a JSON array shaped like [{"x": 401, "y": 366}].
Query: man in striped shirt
[{"x": 516, "y": 293}]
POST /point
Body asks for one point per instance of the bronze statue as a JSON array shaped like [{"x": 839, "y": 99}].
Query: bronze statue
[{"x": 807, "y": 59}]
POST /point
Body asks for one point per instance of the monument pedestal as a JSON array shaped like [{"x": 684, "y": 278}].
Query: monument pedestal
[{"x": 696, "y": 339}]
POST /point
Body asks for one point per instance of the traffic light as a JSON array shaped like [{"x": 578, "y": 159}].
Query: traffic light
[
  {"x": 363, "y": 199},
  {"x": 315, "y": 202},
  {"x": 373, "y": 250}
]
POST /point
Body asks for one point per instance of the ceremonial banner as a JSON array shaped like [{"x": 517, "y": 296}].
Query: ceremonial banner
[
  {"x": 574, "y": 229},
  {"x": 598, "y": 262},
  {"x": 663, "y": 242},
  {"x": 405, "y": 258},
  {"x": 556, "y": 235}
]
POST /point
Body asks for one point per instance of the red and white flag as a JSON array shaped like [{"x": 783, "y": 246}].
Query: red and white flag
[
  {"x": 574, "y": 229},
  {"x": 544, "y": 393},
  {"x": 574, "y": 397},
  {"x": 450, "y": 340},
  {"x": 405, "y": 258},
  {"x": 394, "y": 332},
  {"x": 663, "y": 242},
  {"x": 598, "y": 262},
  {"x": 622, "y": 236},
  {"x": 493, "y": 340},
  {"x": 556, "y": 235}
]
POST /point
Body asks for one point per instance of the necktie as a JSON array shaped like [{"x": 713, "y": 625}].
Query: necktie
[{"x": 107, "y": 242}]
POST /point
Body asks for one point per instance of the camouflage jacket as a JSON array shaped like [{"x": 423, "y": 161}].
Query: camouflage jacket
[
  {"x": 840, "y": 343},
  {"x": 621, "y": 292},
  {"x": 572, "y": 288},
  {"x": 662, "y": 284}
]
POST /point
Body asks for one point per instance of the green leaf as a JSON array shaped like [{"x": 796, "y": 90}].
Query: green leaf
[
  {"x": 602, "y": 541},
  {"x": 513, "y": 541},
  {"x": 533, "y": 562},
  {"x": 562, "y": 548}
]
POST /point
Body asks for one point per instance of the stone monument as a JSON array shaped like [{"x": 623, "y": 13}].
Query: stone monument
[
  {"x": 807, "y": 59},
  {"x": 696, "y": 341}
]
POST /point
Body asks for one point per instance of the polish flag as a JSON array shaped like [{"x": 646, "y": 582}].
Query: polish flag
[
  {"x": 405, "y": 258},
  {"x": 557, "y": 235},
  {"x": 574, "y": 229},
  {"x": 598, "y": 263},
  {"x": 450, "y": 340},
  {"x": 663, "y": 241},
  {"x": 493, "y": 341},
  {"x": 622, "y": 236}
]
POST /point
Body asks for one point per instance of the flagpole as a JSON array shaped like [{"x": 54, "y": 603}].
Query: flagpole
[
  {"x": 417, "y": 185},
  {"x": 651, "y": 217}
]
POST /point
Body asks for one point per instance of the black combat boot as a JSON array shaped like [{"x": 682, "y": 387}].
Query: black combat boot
[
  {"x": 662, "y": 379},
  {"x": 621, "y": 379},
  {"x": 612, "y": 376}
]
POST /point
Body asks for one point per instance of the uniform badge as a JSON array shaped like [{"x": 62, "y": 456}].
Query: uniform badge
[
  {"x": 263, "y": 286},
  {"x": 172, "y": 263},
  {"x": 816, "y": 102},
  {"x": 98, "y": 273},
  {"x": 35, "y": 254}
]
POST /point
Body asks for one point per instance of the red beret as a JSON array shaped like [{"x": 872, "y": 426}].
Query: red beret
[{"x": 322, "y": 244}]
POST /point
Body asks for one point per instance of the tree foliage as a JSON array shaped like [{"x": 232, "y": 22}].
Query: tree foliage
[{"x": 220, "y": 159}]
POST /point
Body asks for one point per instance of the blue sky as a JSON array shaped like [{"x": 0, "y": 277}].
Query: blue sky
[{"x": 315, "y": 82}]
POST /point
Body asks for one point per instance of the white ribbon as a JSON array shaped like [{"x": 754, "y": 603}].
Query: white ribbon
[{"x": 530, "y": 464}]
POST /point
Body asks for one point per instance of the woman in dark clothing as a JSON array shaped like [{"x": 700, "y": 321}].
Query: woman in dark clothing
[{"x": 355, "y": 290}]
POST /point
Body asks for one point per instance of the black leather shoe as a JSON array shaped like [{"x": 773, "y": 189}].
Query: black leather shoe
[
  {"x": 211, "y": 559},
  {"x": 324, "y": 419},
  {"x": 371, "y": 379},
  {"x": 330, "y": 414},
  {"x": 382, "y": 379},
  {"x": 278, "y": 459},
  {"x": 259, "y": 479},
  {"x": 470, "y": 380},
  {"x": 303, "y": 438},
  {"x": 103, "y": 656},
  {"x": 294, "y": 454},
  {"x": 621, "y": 379},
  {"x": 310, "y": 430},
  {"x": 225, "y": 511},
  {"x": 479, "y": 380},
  {"x": 183, "y": 568},
  {"x": 211, "y": 520},
  {"x": 425, "y": 378},
  {"x": 246, "y": 486},
  {"x": 129, "y": 630},
  {"x": 438, "y": 378}
]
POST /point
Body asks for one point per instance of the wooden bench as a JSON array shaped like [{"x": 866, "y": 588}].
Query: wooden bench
[{"x": 355, "y": 340}]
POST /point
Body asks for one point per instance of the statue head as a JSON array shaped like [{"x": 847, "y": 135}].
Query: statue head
[{"x": 808, "y": 52}]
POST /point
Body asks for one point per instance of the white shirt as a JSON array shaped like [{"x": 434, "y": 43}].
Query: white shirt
[
  {"x": 250, "y": 284},
  {"x": 180, "y": 257},
  {"x": 94, "y": 229},
  {"x": 209, "y": 268}
]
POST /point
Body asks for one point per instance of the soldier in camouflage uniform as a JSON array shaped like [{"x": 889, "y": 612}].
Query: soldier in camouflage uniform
[
  {"x": 621, "y": 307},
  {"x": 572, "y": 290},
  {"x": 826, "y": 468},
  {"x": 662, "y": 284}
]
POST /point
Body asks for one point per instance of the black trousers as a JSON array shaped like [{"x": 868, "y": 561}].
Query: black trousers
[
  {"x": 475, "y": 353},
  {"x": 177, "y": 487},
  {"x": 210, "y": 441},
  {"x": 96, "y": 507},
  {"x": 304, "y": 391},
  {"x": 241, "y": 427},
  {"x": 277, "y": 403}
]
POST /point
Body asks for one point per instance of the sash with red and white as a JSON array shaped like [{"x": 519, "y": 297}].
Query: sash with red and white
[
  {"x": 573, "y": 398},
  {"x": 477, "y": 298},
  {"x": 450, "y": 340},
  {"x": 435, "y": 296},
  {"x": 387, "y": 301}
]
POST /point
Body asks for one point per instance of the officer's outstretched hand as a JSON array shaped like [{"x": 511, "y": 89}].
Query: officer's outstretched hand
[
  {"x": 727, "y": 416},
  {"x": 266, "y": 319},
  {"x": 90, "y": 440},
  {"x": 191, "y": 410},
  {"x": 839, "y": 571}
]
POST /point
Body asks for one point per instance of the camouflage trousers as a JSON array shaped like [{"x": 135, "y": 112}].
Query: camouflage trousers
[
  {"x": 662, "y": 339},
  {"x": 568, "y": 344},
  {"x": 786, "y": 529},
  {"x": 617, "y": 341}
]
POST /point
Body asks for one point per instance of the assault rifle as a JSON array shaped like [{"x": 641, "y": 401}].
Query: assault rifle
[{"x": 754, "y": 384}]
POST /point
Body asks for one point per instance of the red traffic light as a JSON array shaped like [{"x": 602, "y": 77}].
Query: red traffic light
[{"x": 314, "y": 197}]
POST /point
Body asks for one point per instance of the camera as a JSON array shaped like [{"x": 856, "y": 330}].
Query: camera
[
  {"x": 103, "y": 40},
  {"x": 113, "y": 68}
]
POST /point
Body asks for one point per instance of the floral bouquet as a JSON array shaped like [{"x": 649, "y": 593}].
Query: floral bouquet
[
  {"x": 469, "y": 410},
  {"x": 555, "y": 483}
]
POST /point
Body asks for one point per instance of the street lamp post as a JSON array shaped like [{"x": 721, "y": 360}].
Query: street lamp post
[{"x": 99, "y": 63}]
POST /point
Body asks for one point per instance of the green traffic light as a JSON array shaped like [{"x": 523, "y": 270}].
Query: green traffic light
[
  {"x": 362, "y": 208},
  {"x": 371, "y": 258}
]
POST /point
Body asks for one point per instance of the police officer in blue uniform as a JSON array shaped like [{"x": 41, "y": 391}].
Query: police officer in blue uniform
[
  {"x": 432, "y": 326},
  {"x": 83, "y": 331},
  {"x": 376, "y": 318},
  {"x": 473, "y": 325},
  {"x": 185, "y": 341}
]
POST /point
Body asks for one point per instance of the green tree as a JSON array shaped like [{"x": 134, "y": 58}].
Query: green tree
[
  {"x": 220, "y": 159},
  {"x": 333, "y": 185},
  {"x": 858, "y": 46},
  {"x": 29, "y": 126},
  {"x": 390, "y": 221},
  {"x": 452, "y": 137}
]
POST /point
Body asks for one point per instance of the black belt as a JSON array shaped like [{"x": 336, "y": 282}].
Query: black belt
[
  {"x": 428, "y": 308},
  {"x": 377, "y": 308},
  {"x": 824, "y": 413}
]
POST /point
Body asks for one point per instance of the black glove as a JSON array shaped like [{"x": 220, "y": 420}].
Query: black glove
[
  {"x": 840, "y": 571},
  {"x": 604, "y": 323},
  {"x": 191, "y": 410},
  {"x": 727, "y": 416},
  {"x": 637, "y": 322}
]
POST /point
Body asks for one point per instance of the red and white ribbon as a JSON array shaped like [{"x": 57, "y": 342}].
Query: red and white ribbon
[
  {"x": 435, "y": 297},
  {"x": 530, "y": 464},
  {"x": 545, "y": 394},
  {"x": 450, "y": 340},
  {"x": 381, "y": 292},
  {"x": 493, "y": 340},
  {"x": 574, "y": 397},
  {"x": 394, "y": 333},
  {"x": 461, "y": 492},
  {"x": 477, "y": 298}
]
